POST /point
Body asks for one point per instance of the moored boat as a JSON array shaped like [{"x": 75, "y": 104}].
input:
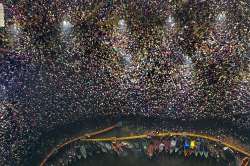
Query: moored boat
[
  {"x": 161, "y": 147},
  {"x": 167, "y": 145},
  {"x": 205, "y": 149},
  {"x": 178, "y": 145},
  {"x": 198, "y": 147},
  {"x": 172, "y": 145},
  {"x": 83, "y": 151},
  {"x": 150, "y": 150},
  {"x": 186, "y": 147}
]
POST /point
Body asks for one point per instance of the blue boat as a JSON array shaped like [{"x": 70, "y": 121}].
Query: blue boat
[
  {"x": 198, "y": 147},
  {"x": 186, "y": 146},
  {"x": 205, "y": 150},
  {"x": 202, "y": 146}
]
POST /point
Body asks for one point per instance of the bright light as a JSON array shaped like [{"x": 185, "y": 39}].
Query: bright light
[
  {"x": 66, "y": 25},
  {"x": 187, "y": 66},
  {"x": 188, "y": 60},
  {"x": 3, "y": 92},
  {"x": 170, "y": 22},
  {"x": 122, "y": 25},
  {"x": 126, "y": 56},
  {"x": 14, "y": 29},
  {"x": 221, "y": 17},
  {"x": 1, "y": 15}
]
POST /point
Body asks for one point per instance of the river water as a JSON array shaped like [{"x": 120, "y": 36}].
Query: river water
[
  {"x": 132, "y": 160},
  {"x": 130, "y": 126}
]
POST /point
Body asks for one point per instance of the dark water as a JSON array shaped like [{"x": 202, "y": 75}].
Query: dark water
[
  {"x": 134, "y": 126},
  {"x": 133, "y": 160}
]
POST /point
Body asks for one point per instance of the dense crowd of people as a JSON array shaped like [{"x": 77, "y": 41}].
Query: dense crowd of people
[{"x": 64, "y": 60}]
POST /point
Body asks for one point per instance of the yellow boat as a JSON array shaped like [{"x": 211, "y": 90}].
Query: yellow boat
[{"x": 193, "y": 144}]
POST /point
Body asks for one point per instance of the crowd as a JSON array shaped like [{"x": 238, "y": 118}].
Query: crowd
[{"x": 182, "y": 60}]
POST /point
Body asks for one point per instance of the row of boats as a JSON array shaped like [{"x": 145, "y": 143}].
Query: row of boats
[
  {"x": 151, "y": 147},
  {"x": 178, "y": 145}
]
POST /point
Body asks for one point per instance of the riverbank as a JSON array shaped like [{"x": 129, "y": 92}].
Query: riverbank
[{"x": 131, "y": 125}]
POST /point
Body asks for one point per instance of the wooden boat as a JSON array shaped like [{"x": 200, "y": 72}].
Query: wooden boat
[
  {"x": 150, "y": 150},
  {"x": 172, "y": 145},
  {"x": 161, "y": 147},
  {"x": 117, "y": 147},
  {"x": 201, "y": 152},
  {"x": 198, "y": 148},
  {"x": 108, "y": 146},
  {"x": 178, "y": 145},
  {"x": 245, "y": 162},
  {"x": 156, "y": 145},
  {"x": 144, "y": 145},
  {"x": 192, "y": 144},
  {"x": 186, "y": 147},
  {"x": 83, "y": 151},
  {"x": 166, "y": 145},
  {"x": 205, "y": 151}
]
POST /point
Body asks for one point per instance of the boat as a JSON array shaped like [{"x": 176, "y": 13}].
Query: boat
[
  {"x": 161, "y": 147},
  {"x": 167, "y": 145},
  {"x": 103, "y": 147},
  {"x": 201, "y": 152},
  {"x": 127, "y": 145},
  {"x": 229, "y": 153},
  {"x": 117, "y": 147},
  {"x": 178, "y": 145},
  {"x": 108, "y": 146},
  {"x": 79, "y": 157},
  {"x": 144, "y": 144},
  {"x": 245, "y": 162},
  {"x": 90, "y": 149},
  {"x": 137, "y": 148},
  {"x": 137, "y": 145},
  {"x": 181, "y": 146},
  {"x": 198, "y": 148},
  {"x": 172, "y": 145},
  {"x": 83, "y": 151},
  {"x": 192, "y": 144},
  {"x": 156, "y": 145},
  {"x": 150, "y": 150},
  {"x": 186, "y": 144},
  {"x": 186, "y": 147},
  {"x": 205, "y": 149}
]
